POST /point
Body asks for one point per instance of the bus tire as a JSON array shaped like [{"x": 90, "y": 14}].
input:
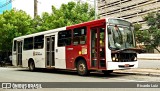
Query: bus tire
[
  {"x": 82, "y": 68},
  {"x": 31, "y": 66},
  {"x": 107, "y": 72}
]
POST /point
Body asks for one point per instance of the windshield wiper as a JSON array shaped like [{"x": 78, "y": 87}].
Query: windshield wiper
[
  {"x": 114, "y": 48},
  {"x": 137, "y": 50}
]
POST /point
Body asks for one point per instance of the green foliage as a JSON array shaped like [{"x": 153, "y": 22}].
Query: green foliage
[
  {"x": 150, "y": 37},
  {"x": 16, "y": 23},
  {"x": 67, "y": 14},
  {"x": 12, "y": 24}
]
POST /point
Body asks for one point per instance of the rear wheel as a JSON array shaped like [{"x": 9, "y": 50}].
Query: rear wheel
[
  {"x": 31, "y": 66},
  {"x": 107, "y": 72},
  {"x": 82, "y": 68}
]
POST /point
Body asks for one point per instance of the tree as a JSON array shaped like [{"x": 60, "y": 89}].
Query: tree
[
  {"x": 13, "y": 23},
  {"x": 68, "y": 14},
  {"x": 16, "y": 23},
  {"x": 151, "y": 36}
]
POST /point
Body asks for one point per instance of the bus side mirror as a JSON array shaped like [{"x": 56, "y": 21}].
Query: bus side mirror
[{"x": 109, "y": 30}]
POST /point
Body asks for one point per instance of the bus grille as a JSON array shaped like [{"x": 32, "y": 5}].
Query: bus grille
[{"x": 124, "y": 57}]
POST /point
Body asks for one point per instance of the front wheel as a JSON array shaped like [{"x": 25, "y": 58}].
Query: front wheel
[
  {"x": 82, "y": 68},
  {"x": 31, "y": 66}
]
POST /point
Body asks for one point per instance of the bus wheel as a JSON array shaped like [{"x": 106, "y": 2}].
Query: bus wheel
[
  {"x": 82, "y": 68},
  {"x": 107, "y": 72},
  {"x": 31, "y": 66}
]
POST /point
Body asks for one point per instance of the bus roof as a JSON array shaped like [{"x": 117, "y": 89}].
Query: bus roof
[
  {"x": 55, "y": 30},
  {"x": 64, "y": 28},
  {"x": 41, "y": 33}
]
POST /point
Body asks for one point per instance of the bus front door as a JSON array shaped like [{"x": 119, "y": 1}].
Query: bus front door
[
  {"x": 98, "y": 48},
  {"x": 50, "y": 51}
]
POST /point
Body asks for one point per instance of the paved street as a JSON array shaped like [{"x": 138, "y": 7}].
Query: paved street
[{"x": 23, "y": 75}]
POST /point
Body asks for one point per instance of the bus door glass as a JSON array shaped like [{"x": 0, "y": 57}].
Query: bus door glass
[
  {"x": 19, "y": 53},
  {"x": 98, "y": 47},
  {"x": 50, "y": 51}
]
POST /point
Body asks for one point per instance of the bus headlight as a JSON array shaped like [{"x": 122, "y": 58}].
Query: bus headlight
[
  {"x": 117, "y": 59},
  {"x": 135, "y": 58},
  {"x": 113, "y": 58}
]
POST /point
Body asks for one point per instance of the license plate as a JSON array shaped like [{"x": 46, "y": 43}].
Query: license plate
[{"x": 126, "y": 65}]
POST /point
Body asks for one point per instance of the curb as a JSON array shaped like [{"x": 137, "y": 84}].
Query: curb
[{"x": 139, "y": 73}]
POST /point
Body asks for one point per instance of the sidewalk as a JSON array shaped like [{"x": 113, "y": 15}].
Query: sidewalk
[
  {"x": 138, "y": 71},
  {"x": 148, "y": 56}
]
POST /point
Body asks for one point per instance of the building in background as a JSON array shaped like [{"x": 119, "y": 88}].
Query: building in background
[
  {"x": 5, "y": 5},
  {"x": 132, "y": 10}
]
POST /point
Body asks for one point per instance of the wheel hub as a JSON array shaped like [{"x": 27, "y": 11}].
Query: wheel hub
[{"x": 81, "y": 67}]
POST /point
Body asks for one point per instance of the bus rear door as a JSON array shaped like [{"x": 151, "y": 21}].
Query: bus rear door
[
  {"x": 17, "y": 53},
  {"x": 50, "y": 51}
]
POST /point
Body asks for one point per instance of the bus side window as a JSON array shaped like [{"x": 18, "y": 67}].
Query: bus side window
[
  {"x": 14, "y": 45},
  {"x": 64, "y": 38},
  {"x": 28, "y": 43},
  {"x": 79, "y": 35},
  {"x": 38, "y": 42}
]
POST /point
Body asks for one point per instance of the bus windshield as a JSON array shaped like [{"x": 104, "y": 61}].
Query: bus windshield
[{"x": 120, "y": 37}]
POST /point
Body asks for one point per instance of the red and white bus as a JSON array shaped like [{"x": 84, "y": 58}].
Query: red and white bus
[{"x": 104, "y": 44}]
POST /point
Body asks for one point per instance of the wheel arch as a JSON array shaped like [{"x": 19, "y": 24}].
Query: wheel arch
[
  {"x": 78, "y": 59},
  {"x": 30, "y": 60}
]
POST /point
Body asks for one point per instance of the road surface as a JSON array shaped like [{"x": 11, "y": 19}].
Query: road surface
[{"x": 23, "y": 75}]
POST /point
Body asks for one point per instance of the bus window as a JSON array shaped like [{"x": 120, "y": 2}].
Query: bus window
[
  {"x": 102, "y": 42},
  {"x": 14, "y": 45},
  {"x": 38, "y": 42},
  {"x": 102, "y": 37},
  {"x": 64, "y": 38},
  {"x": 79, "y": 36},
  {"x": 28, "y": 43}
]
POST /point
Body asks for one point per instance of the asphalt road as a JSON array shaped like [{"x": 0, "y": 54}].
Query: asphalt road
[
  {"x": 149, "y": 64},
  {"x": 23, "y": 75}
]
